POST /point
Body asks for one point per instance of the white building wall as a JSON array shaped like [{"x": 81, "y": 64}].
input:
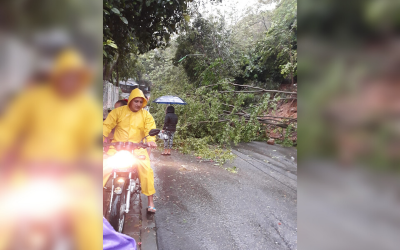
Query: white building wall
[{"x": 110, "y": 97}]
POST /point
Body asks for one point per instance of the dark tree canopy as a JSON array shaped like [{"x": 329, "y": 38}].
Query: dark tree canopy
[{"x": 140, "y": 25}]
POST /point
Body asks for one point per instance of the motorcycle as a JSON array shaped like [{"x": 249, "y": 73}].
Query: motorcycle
[{"x": 123, "y": 182}]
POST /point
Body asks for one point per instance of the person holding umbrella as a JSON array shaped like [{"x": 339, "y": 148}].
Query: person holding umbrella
[{"x": 171, "y": 119}]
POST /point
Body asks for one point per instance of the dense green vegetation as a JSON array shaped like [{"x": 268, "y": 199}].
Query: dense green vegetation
[
  {"x": 228, "y": 77},
  {"x": 337, "y": 65},
  {"x": 265, "y": 62},
  {"x": 134, "y": 27}
]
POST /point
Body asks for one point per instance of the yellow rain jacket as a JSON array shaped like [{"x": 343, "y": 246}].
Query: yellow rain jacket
[
  {"x": 56, "y": 130},
  {"x": 133, "y": 126}
]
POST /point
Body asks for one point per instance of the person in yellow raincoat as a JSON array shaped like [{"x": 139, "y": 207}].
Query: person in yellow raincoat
[
  {"x": 132, "y": 123},
  {"x": 57, "y": 126}
]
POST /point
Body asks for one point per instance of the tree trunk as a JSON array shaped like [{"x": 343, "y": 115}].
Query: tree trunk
[
  {"x": 108, "y": 73},
  {"x": 109, "y": 67},
  {"x": 105, "y": 69}
]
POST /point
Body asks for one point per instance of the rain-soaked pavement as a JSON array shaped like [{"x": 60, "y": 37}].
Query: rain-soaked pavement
[{"x": 203, "y": 206}]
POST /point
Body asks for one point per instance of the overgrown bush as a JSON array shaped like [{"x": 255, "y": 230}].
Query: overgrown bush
[
  {"x": 208, "y": 125},
  {"x": 202, "y": 64}
]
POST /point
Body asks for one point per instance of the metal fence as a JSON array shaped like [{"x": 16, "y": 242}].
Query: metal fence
[{"x": 110, "y": 97}]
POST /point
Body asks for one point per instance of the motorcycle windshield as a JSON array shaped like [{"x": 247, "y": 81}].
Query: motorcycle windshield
[{"x": 112, "y": 240}]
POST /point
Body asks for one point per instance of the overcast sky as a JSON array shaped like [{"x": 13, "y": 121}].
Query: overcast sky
[{"x": 237, "y": 6}]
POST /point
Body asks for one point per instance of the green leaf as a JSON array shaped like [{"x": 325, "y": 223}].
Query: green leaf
[
  {"x": 124, "y": 20},
  {"x": 187, "y": 17},
  {"x": 110, "y": 43},
  {"x": 104, "y": 53},
  {"x": 108, "y": 13},
  {"x": 116, "y": 11},
  {"x": 182, "y": 59}
]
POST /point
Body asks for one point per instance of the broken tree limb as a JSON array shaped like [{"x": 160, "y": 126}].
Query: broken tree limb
[
  {"x": 206, "y": 86},
  {"x": 282, "y": 125},
  {"x": 234, "y": 107},
  {"x": 261, "y": 116},
  {"x": 253, "y": 87},
  {"x": 281, "y": 117},
  {"x": 257, "y": 91},
  {"x": 189, "y": 124},
  {"x": 215, "y": 121}
]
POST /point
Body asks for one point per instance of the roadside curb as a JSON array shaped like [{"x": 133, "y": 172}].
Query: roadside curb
[{"x": 148, "y": 234}]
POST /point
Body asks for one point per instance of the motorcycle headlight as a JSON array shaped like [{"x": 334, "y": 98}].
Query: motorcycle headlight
[
  {"x": 122, "y": 159},
  {"x": 38, "y": 198}
]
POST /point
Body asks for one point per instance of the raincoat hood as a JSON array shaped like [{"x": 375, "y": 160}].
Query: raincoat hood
[
  {"x": 137, "y": 93},
  {"x": 71, "y": 60}
]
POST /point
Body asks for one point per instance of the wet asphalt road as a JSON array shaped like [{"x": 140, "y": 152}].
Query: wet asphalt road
[{"x": 202, "y": 206}]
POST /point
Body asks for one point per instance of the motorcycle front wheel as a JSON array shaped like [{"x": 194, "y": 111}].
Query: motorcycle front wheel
[{"x": 116, "y": 216}]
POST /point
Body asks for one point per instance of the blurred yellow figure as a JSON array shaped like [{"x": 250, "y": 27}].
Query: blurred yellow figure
[
  {"x": 58, "y": 122},
  {"x": 56, "y": 126},
  {"x": 132, "y": 123}
]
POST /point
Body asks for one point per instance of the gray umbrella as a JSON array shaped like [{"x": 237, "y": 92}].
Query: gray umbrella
[{"x": 169, "y": 99}]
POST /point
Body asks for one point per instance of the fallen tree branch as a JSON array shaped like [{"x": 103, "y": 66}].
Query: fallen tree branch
[
  {"x": 246, "y": 86},
  {"x": 258, "y": 91},
  {"x": 189, "y": 124},
  {"x": 206, "y": 86},
  {"x": 228, "y": 105},
  {"x": 249, "y": 86},
  {"x": 263, "y": 121},
  {"x": 253, "y": 87},
  {"x": 234, "y": 107},
  {"x": 281, "y": 125},
  {"x": 289, "y": 98},
  {"x": 214, "y": 121},
  {"x": 281, "y": 117},
  {"x": 261, "y": 116}
]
